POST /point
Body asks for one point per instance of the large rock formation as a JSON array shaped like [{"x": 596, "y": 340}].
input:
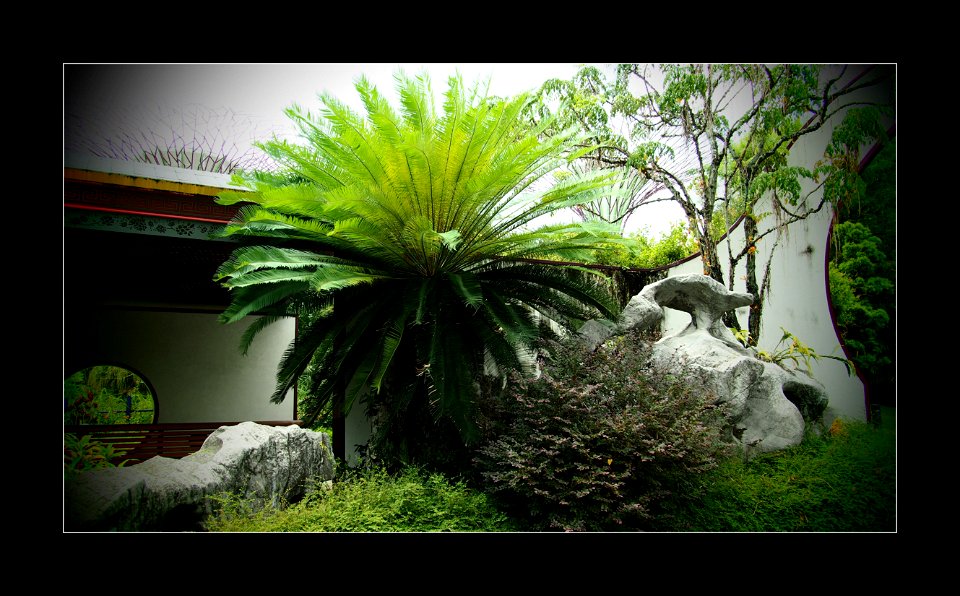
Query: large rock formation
[
  {"x": 703, "y": 297},
  {"x": 763, "y": 397},
  {"x": 263, "y": 463}
]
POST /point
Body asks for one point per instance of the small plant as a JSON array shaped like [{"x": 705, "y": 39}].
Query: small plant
[
  {"x": 600, "y": 439},
  {"x": 86, "y": 453},
  {"x": 795, "y": 352}
]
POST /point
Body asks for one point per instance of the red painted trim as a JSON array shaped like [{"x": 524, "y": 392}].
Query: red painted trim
[
  {"x": 148, "y": 213},
  {"x": 872, "y": 153}
]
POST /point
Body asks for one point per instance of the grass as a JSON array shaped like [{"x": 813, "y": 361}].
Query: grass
[
  {"x": 372, "y": 501},
  {"x": 843, "y": 480}
]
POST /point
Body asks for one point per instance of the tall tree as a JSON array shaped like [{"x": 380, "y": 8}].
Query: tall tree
[
  {"x": 405, "y": 232},
  {"x": 717, "y": 138}
]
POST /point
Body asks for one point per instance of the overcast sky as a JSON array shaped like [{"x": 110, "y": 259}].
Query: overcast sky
[
  {"x": 264, "y": 90},
  {"x": 110, "y": 96}
]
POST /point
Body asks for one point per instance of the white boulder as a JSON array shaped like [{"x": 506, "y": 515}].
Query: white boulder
[{"x": 254, "y": 461}]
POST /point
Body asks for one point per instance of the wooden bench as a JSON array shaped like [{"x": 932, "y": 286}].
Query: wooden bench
[{"x": 140, "y": 442}]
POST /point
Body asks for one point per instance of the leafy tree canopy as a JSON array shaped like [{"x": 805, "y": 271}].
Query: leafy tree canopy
[{"x": 715, "y": 138}]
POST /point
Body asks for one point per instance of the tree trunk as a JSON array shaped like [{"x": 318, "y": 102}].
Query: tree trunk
[
  {"x": 756, "y": 309},
  {"x": 339, "y": 416},
  {"x": 711, "y": 268},
  {"x": 708, "y": 254}
]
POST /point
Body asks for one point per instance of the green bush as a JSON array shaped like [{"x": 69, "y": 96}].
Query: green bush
[
  {"x": 371, "y": 501},
  {"x": 643, "y": 252},
  {"x": 599, "y": 440},
  {"x": 863, "y": 275},
  {"x": 863, "y": 292},
  {"x": 85, "y": 453},
  {"x": 843, "y": 480}
]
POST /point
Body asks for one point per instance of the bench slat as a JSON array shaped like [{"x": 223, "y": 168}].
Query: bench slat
[{"x": 140, "y": 442}]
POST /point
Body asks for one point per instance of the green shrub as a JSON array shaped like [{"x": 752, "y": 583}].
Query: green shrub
[
  {"x": 843, "y": 480},
  {"x": 85, "y": 453},
  {"x": 863, "y": 275},
  {"x": 599, "y": 440},
  {"x": 371, "y": 501},
  {"x": 642, "y": 251},
  {"x": 862, "y": 291}
]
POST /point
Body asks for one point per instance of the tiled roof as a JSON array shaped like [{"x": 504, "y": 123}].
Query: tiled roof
[{"x": 85, "y": 161}]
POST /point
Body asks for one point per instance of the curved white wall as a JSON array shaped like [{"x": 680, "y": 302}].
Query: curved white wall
[
  {"x": 191, "y": 359},
  {"x": 797, "y": 300}
]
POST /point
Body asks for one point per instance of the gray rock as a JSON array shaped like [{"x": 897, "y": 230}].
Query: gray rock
[
  {"x": 758, "y": 393},
  {"x": 258, "y": 462},
  {"x": 703, "y": 297},
  {"x": 640, "y": 313},
  {"x": 594, "y": 332},
  {"x": 762, "y": 415}
]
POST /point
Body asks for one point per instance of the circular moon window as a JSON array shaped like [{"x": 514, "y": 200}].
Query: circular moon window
[{"x": 108, "y": 395}]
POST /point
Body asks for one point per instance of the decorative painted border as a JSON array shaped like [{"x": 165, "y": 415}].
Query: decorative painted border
[{"x": 139, "y": 224}]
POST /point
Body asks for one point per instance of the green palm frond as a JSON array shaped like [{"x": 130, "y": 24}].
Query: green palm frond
[
  {"x": 246, "y": 340},
  {"x": 417, "y": 218},
  {"x": 298, "y": 355},
  {"x": 248, "y": 300},
  {"x": 453, "y": 364},
  {"x": 392, "y": 336},
  {"x": 467, "y": 286},
  {"x": 254, "y": 220},
  {"x": 333, "y": 278},
  {"x": 268, "y": 276},
  {"x": 251, "y": 258}
]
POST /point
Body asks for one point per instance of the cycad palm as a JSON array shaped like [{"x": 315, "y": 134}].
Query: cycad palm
[{"x": 406, "y": 233}]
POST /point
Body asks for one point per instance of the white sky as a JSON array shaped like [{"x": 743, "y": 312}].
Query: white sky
[{"x": 260, "y": 92}]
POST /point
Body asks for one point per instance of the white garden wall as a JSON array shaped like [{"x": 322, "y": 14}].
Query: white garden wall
[
  {"x": 192, "y": 361},
  {"x": 797, "y": 302},
  {"x": 798, "y": 299}
]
